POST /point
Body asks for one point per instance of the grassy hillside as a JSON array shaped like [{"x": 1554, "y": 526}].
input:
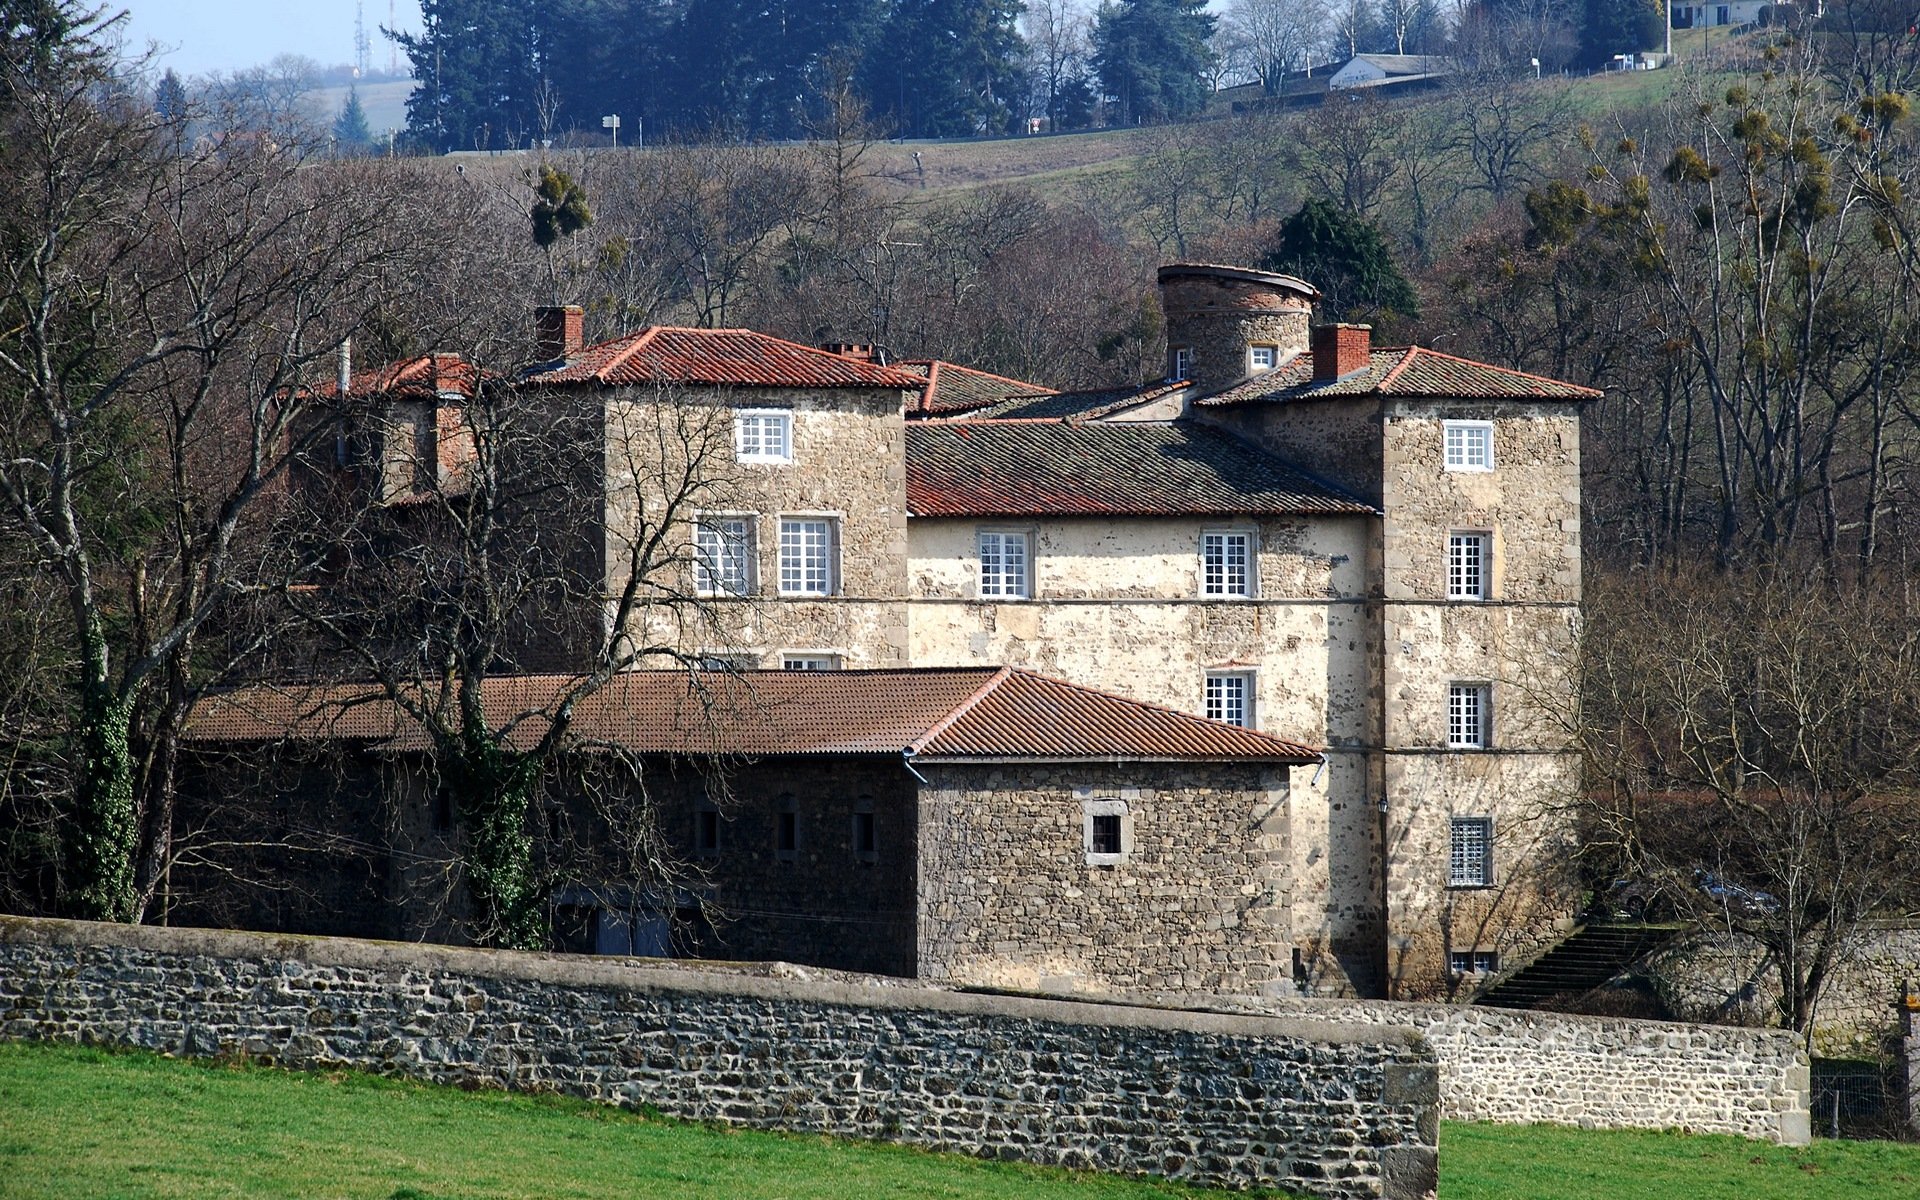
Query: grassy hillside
[
  {"x": 386, "y": 104},
  {"x": 85, "y": 1123}
]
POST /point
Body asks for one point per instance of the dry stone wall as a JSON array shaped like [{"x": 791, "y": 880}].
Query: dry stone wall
[
  {"x": 1520, "y": 1067},
  {"x": 1339, "y": 1111}
]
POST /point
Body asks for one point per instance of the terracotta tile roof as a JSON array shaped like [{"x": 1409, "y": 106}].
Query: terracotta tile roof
[
  {"x": 724, "y": 357},
  {"x": 952, "y": 388},
  {"x": 1089, "y": 404},
  {"x": 425, "y": 377},
  {"x": 1413, "y": 372},
  {"x": 1021, "y": 468},
  {"x": 961, "y": 712}
]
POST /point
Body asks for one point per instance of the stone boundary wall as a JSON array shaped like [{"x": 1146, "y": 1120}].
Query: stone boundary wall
[
  {"x": 1518, "y": 1066},
  {"x": 1208, "y": 1097}
]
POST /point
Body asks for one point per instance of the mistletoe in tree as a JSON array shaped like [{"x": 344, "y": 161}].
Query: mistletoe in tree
[{"x": 560, "y": 212}]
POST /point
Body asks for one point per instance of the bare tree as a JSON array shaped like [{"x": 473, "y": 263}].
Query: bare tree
[
  {"x": 164, "y": 304},
  {"x": 1057, "y": 48},
  {"x": 1750, "y": 746},
  {"x": 1275, "y": 37}
]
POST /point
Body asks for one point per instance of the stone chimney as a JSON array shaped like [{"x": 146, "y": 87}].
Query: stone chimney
[
  {"x": 854, "y": 351},
  {"x": 1216, "y": 315},
  {"x": 1340, "y": 350},
  {"x": 559, "y": 331}
]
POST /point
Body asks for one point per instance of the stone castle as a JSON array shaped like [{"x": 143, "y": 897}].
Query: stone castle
[{"x": 1251, "y": 680}]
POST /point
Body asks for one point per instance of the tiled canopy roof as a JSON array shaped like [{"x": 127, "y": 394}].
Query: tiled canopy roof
[
  {"x": 967, "y": 712},
  {"x": 1412, "y": 372},
  {"x": 952, "y": 388},
  {"x": 426, "y": 377},
  {"x": 720, "y": 357},
  {"x": 1019, "y": 468}
]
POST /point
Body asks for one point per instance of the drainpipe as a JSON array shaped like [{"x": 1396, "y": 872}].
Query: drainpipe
[{"x": 906, "y": 760}]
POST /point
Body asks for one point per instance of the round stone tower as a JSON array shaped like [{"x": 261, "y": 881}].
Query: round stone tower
[{"x": 1225, "y": 323}]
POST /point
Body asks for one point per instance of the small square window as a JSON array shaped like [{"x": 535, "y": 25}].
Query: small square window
[
  {"x": 1467, "y": 566},
  {"x": 763, "y": 436},
  {"x": 1226, "y": 564},
  {"x": 1230, "y": 697},
  {"x": 1105, "y": 832},
  {"x": 1473, "y": 962},
  {"x": 809, "y": 553},
  {"x": 1469, "y": 445},
  {"x": 809, "y": 662},
  {"x": 1470, "y": 852},
  {"x": 723, "y": 560},
  {"x": 1182, "y": 361},
  {"x": 1263, "y": 358},
  {"x": 1005, "y": 560}
]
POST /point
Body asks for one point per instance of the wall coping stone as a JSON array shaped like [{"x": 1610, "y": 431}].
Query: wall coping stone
[{"x": 663, "y": 976}]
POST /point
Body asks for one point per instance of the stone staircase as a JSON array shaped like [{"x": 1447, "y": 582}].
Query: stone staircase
[{"x": 1583, "y": 961}]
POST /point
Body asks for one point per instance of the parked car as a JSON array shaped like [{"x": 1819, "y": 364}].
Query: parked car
[
  {"x": 1649, "y": 899},
  {"x": 1741, "y": 901}
]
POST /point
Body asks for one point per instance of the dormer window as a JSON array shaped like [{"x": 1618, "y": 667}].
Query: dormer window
[
  {"x": 763, "y": 436},
  {"x": 1262, "y": 358}
]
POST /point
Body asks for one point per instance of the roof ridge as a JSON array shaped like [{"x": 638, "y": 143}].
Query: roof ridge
[
  {"x": 643, "y": 338},
  {"x": 933, "y": 383},
  {"x": 1475, "y": 362},
  {"x": 1393, "y": 373},
  {"x": 965, "y": 706},
  {"x": 817, "y": 352},
  {"x": 1209, "y": 722}
]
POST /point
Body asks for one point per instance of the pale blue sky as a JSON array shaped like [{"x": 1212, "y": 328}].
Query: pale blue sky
[{"x": 198, "y": 36}]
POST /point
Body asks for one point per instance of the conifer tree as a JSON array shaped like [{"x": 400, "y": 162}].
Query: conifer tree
[{"x": 1153, "y": 55}]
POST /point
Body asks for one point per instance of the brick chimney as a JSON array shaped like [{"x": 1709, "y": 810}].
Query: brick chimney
[
  {"x": 1340, "y": 350},
  {"x": 559, "y": 331},
  {"x": 855, "y": 351}
]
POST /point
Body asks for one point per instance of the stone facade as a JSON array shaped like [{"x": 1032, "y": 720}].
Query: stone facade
[
  {"x": 1013, "y": 894},
  {"x": 1210, "y": 1098},
  {"x": 848, "y": 467}
]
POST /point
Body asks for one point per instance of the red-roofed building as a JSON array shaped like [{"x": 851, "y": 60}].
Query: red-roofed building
[{"x": 1372, "y": 552}]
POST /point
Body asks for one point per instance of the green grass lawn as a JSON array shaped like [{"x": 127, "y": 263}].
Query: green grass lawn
[{"x": 88, "y": 1123}]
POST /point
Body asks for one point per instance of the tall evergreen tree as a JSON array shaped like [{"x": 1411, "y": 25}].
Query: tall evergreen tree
[
  {"x": 1152, "y": 56},
  {"x": 477, "y": 70},
  {"x": 350, "y": 132},
  {"x": 1344, "y": 256},
  {"x": 944, "y": 68},
  {"x": 170, "y": 97}
]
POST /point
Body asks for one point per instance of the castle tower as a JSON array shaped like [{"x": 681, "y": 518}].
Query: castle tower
[{"x": 1225, "y": 323}]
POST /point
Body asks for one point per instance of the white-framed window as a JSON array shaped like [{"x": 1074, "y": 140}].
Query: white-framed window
[
  {"x": 1470, "y": 852},
  {"x": 723, "y": 562},
  {"x": 1226, "y": 563},
  {"x": 1469, "y": 715},
  {"x": 763, "y": 435},
  {"x": 1473, "y": 962},
  {"x": 1468, "y": 560},
  {"x": 809, "y": 556},
  {"x": 723, "y": 660},
  {"x": 1006, "y": 564},
  {"x": 1262, "y": 358},
  {"x": 809, "y": 660},
  {"x": 1469, "y": 445},
  {"x": 1181, "y": 361},
  {"x": 1106, "y": 832},
  {"x": 1229, "y": 697}
]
